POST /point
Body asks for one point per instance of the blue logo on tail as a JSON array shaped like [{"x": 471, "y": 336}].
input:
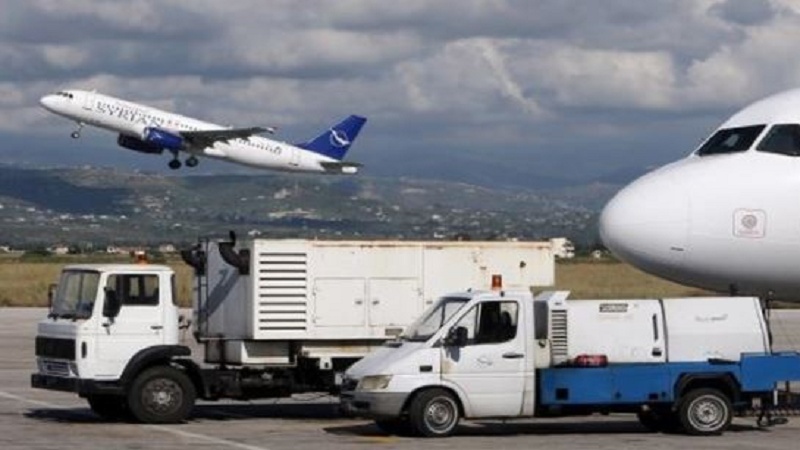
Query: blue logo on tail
[{"x": 335, "y": 142}]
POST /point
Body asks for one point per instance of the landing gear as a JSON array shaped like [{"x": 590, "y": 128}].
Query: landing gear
[
  {"x": 192, "y": 161},
  {"x": 175, "y": 164},
  {"x": 77, "y": 133}
]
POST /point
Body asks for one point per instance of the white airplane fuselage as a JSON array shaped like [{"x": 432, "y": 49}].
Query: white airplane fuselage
[
  {"x": 133, "y": 119},
  {"x": 727, "y": 220}
]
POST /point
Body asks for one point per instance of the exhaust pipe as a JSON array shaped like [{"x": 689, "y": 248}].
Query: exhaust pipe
[
  {"x": 196, "y": 258},
  {"x": 240, "y": 259}
]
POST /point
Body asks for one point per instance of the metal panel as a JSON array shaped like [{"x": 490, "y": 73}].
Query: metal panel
[
  {"x": 703, "y": 328},
  {"x": 339, "y": 302},
  {"x": 394, "y": 301},
  {"x": 625, "y": 331}
]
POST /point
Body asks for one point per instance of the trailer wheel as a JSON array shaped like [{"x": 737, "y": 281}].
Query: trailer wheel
[
  {"x": 434, "y": 413},
  {"x": 109, "y": 407},
  {"x": 161, "y": 394},
  {"x": 705, "y": 412}
]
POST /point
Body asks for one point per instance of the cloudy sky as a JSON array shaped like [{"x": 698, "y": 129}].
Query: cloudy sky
[{"x": 452, "y": 88}]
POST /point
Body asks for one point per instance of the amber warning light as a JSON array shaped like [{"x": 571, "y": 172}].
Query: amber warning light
[
  {"x": 497, "y": 282},
  {"x": 140, "y": 257}
]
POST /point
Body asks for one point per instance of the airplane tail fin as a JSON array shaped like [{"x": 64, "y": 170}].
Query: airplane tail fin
[{"x": 335, "y": 142}]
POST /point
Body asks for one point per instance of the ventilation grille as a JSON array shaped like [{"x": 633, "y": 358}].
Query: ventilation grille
[
  {"x": 282, "y": 287},
  {"x": 559, "y": 336}
]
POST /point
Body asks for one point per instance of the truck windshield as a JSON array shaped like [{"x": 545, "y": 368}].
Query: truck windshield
[
  {"x": 76, "y": 293},
  {"x": 433, "y": 319}
]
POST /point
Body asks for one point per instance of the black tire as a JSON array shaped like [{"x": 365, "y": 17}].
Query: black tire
[
  {"x": 161, "y": 394},
  {"x": 434, "y": 413},
  {"x": 705, "y": 412},
  {"x": 397, "y": 426},
  {"x": 109, "y": 407}
]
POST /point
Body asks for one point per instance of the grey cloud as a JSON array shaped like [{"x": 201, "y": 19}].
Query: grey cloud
[
  {"x": 516, "y": 84},
  {"x": 75, "y": 21},
  {"x": 744, "y": 12}
]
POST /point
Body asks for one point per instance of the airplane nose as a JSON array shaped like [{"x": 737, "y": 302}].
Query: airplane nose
[
  {"x": 647, "y": 223},
  {"x": 48, "y": 102}
]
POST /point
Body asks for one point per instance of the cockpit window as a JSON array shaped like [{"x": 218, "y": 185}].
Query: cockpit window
[
  {"x": 64, "y": 94},
  {"x": 731, "y": 140},
  {"x": 782, "y": 139}
]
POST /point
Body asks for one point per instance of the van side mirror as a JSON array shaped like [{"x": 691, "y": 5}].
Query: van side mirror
[
  {"x": 111, "y": 304},
  {"x": 457, "y": 337}
]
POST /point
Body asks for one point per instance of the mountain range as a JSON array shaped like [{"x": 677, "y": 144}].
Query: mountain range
[{"x": 95, "y": 206}]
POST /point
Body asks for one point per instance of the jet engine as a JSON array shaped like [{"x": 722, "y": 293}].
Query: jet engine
[
  {"x": 138, "y": 145},
  {"x": 162, "y": 138}
]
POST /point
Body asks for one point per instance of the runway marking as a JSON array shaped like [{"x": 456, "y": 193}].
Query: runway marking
[
  {"x": 33, "y": 402},
  {"x": 162, "y": 428},
  {"x": 203, "y": 437}
]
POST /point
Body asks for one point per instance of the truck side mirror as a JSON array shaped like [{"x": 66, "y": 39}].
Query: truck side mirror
[
  {"x": 51, "y": 294},
  {"x": 111, "y": 304},
  {"x": 457, "y": 337}
]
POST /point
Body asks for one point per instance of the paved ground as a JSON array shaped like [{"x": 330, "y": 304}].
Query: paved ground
[{"x": 36, "y": 419}]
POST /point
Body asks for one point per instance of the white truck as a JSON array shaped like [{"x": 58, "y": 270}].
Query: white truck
[
  {"x": 681, "y": 364},
  {"x": 273, "y": 317}
]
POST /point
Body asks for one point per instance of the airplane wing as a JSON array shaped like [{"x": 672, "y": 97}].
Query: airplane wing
[
  {"x": 341, "y": 167},
  {"x": 207, "y": 138}
]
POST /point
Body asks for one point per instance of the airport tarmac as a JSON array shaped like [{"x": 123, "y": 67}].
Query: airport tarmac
[{"x": 37, "y": 419}]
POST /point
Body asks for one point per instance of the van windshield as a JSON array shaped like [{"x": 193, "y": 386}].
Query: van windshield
[
  {"x": 76, "y": 293},
  {"x": 432, "y": 320}
]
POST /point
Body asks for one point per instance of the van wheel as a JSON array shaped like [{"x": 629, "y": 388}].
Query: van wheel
[
  {"x": 161, "y": 394},
  {"x": 109, "y": 407},
  {"x": 704, "y": 412},
  {"x": 434, "y": 413}
]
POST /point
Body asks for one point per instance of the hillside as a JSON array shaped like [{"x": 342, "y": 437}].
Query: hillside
[{"x": 101, "y": 206}]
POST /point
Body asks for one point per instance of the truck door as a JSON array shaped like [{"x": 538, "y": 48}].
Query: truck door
[
  {"x": 490, "y": 369},
  {"x": 139, "y": 324}
]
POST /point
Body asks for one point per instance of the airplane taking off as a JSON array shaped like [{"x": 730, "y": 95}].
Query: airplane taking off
[
  {"x": 725, "y": 218},
  {"x": 150, "y": 130}
]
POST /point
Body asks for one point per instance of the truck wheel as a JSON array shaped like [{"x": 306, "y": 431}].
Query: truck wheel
[
  {"x": 397, "y": 426},
  {"x": 434, "y": 413},
  {"x": 705, "y": 412},
  {"x": 161, "y": 394},
  {"x": 109, "y": 407}
]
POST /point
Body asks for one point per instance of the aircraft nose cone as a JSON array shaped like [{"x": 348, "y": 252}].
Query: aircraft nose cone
[
  {"x": 48, "y": 102},
  {"x": 646, "y": 224}
]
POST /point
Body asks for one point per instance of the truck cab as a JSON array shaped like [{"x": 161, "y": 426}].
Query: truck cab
[
  {"x": 688, "y": 364},
  {"x": 105, "y": 321}
]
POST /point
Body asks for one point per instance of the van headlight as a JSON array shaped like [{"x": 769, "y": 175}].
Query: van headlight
[{"x": 374, "y": 383}]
